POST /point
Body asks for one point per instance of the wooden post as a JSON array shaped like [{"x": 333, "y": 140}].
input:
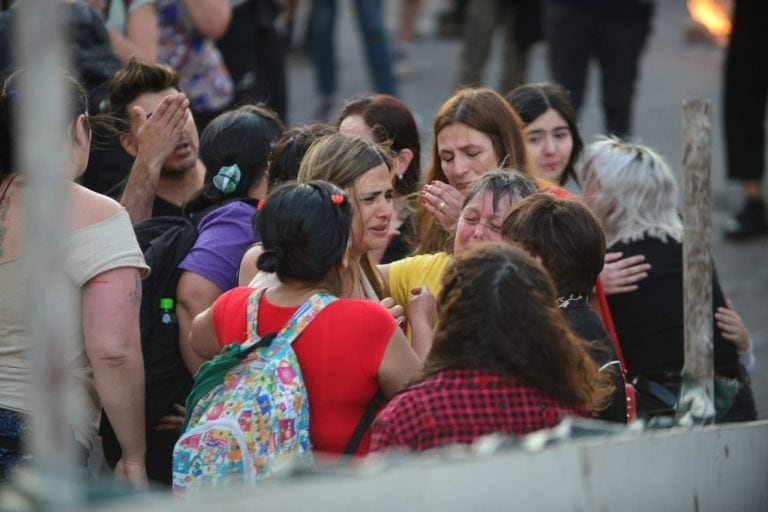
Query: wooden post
[{"x": 697, "y": 260}]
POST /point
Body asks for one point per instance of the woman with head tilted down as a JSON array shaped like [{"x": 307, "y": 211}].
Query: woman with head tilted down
[
  {"x": 475, "y": 131},
  {"x": 633, "y": 191},
  {"x": 506, "y": 365},
  {"x": 352, "y": 349},
  {"x": 104, "y": 266},
  {"x": 487, "y": 200}
]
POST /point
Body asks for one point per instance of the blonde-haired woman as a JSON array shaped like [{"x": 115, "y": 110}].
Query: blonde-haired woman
[
  {"x": 633, "y": 191},
  {"x": 362, "y": 169}
]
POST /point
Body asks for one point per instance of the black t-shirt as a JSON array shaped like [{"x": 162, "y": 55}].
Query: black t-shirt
[
  {"x": 585, "y": 323},
  {"x": 649, "y": 321},
  {"x": 160, "y": 206}
]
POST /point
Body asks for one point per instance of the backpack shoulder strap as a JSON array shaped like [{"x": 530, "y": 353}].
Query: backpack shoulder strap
[
  {"x": 295, "y": 325},
  {"x": 365, "y": 421}
]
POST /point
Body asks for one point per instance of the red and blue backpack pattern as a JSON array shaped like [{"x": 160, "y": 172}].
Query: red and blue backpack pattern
[{"x": 244, "y": 426}]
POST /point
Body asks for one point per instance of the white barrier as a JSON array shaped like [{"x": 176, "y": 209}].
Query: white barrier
[{"x": 716, "y": 468}]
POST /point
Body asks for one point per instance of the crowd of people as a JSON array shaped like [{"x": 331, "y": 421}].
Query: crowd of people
[{"x": 475, "y": 295}]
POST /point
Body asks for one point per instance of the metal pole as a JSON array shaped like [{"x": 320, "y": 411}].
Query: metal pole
[
  {"x": 46, "y": 162},
  {"x": 698, "y": 370}
]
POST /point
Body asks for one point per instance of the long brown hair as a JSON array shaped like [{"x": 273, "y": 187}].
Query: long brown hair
[
  {"x": 519, "y": 332},
  {"x": 484, "y": 110}
]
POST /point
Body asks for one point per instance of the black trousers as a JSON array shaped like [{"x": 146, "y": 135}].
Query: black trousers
[
  {"x": 255, "y": 52},
  {"x": 576, "y": 35},
  {"x": 746, "y": 91}
]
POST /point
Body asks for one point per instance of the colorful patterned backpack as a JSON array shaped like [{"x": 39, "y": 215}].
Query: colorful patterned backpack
[{"x": 242, "y": 427}]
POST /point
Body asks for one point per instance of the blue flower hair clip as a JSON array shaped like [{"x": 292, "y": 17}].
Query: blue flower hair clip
[{"x": 227, "y": 178}]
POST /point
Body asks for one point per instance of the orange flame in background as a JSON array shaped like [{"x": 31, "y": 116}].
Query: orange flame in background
[{"x": 713, "y": 15}]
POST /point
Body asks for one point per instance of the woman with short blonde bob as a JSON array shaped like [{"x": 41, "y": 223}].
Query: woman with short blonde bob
[
  {"x": 633, "y": 192},
  {"x": 475, "y": 131},
  {"x": 508, "y": 365}
]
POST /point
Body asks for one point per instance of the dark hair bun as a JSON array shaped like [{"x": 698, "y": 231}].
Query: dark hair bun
[
  {"x": 270, "y": 259},
  {"x": 304, "y": 230}
]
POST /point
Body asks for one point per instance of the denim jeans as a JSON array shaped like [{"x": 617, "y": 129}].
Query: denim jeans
[{"x": 323, "y": 48}]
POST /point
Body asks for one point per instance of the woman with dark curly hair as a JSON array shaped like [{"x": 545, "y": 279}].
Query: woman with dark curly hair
[{"x": 507, "y": 365}]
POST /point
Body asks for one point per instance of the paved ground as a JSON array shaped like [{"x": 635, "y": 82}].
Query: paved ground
[{"x": 673, "y": 70}]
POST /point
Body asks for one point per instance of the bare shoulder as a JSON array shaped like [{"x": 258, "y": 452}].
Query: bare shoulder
[
  {"x": 90, "y": 207},
  {"x": 248, "y": 268}
]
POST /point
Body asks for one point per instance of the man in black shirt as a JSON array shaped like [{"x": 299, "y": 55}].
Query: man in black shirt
[{"x": 157, "y": 129}]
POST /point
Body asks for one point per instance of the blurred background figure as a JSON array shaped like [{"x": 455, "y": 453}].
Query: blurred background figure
[
  {"x": 254, "y": 52},
  {"x": 450, "y": 18},
  {"x": 322, "y": 39},
  {"x": 520, "y": 20},
  {"x": 93, "y": 59},
  {"x": 612, "y": 32},
  {"x": 188, "y": 29},
  {"x": 132, "y": 28},
  {"x": 406, "y": 35},
  {"x": 746, "y": 98}
]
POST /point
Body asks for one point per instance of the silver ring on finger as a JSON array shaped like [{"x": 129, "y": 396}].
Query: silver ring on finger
[{"x": 441, "y": 206}]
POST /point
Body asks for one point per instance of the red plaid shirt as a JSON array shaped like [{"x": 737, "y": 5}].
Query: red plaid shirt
[{"x": 458, "y": 406}]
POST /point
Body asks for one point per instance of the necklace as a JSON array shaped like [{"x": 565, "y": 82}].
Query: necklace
[{"x": 564, "y": 302}]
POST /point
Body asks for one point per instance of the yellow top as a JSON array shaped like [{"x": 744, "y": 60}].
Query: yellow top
[{"x": 422, "y": 270}]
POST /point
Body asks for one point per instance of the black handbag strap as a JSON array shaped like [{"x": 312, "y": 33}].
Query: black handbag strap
[
  {"x": 658, "y": 391},
  {"x": 365, "y": 421}
]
